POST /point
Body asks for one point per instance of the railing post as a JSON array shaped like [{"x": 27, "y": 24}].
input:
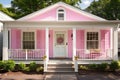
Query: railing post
[
  {"x": 76, "y": 65},
  {"x": 45, "y": 65},
  {"x": 26, "y": 54}
]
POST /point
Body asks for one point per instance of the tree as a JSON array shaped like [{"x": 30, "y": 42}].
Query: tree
[
  {"x": 24, "y": 7},
  {"x": 6, "y": 11},
  {"x": 108, "y": 9}
]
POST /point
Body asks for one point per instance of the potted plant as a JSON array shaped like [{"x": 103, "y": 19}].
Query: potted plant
[
  {"x": 83, "y": 69},
  {"x": 40, "y": 70}
]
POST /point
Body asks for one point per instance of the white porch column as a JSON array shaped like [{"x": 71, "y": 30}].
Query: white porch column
[
  {"x": 115, "y": 44},
  {"x": 47, "y": 43},
  {"x": 5, "y": 44},
  {"x": 74, "y": 43}
]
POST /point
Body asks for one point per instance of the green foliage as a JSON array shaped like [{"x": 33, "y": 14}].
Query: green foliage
[
  {"x": 102, "y": 66},
  {"x": 1, "y": 65},
  {"x": 114, "y": 65},
  {"x": 108, "y": 9},
  {"x": 93, "y": 66},
  {"x": 33, "y": 66},
  {"x": 21, "y": 67},
  {"x": 39, "y": 69},
  {"x": 83, "y": 67},
  {"x": 9, "y": 65},
  {"x": 26, "y": 69}
]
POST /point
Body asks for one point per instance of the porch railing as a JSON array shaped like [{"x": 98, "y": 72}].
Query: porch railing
[
  {"x": 26, "y": 54},
  {"x": 83, "y": 54}
]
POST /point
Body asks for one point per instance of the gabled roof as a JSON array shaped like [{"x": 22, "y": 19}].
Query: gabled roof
[
  {"x": 62, "y": 4},
  {"x": 4, "y": 17}
]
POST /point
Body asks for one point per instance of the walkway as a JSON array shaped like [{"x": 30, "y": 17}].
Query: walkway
[{"x": 61, "y": 76}]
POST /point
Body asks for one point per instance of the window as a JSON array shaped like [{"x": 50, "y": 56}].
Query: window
[
  {"x": 92, "y": 40},
  {"x": 28, "y": 40},
  {"x": 61, "y": 14}
]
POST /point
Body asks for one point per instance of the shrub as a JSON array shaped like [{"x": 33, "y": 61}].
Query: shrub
[
  {"x": 32, "y": 66},
  {"x": 27, "y": 69},
  {"x": 1, "y": 65},
  {"x": 21, "y": 67},
  {"x": 83, "y": 67},
  {"x": 114, "y": 65},
  {"x": 93, "y": 66},
  {"x": 9, "y": 65},
  {"x": 102, "y": 66},
  {"x": 39, "y": 69}
]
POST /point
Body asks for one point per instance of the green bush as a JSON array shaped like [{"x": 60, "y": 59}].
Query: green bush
[
  {"x": 39, "y": 69},
  {"x": 32, "y": 66},
  {"x": 102, "y": 66},
  {"x": 1, "y": 65},
  {"x": 93, "y": 66},
  {"x": 114, "y": 65},
  {"x": 21, "y": 67},
  {"x": 83, "y": 67},
  {"x": 9, "y": 65}
]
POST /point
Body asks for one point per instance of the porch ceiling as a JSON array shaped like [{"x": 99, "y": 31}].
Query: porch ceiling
[{"x": 60, "y": 24}]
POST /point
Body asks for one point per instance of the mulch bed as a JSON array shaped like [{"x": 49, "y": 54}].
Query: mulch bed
[{"x": 21, "y": 76}]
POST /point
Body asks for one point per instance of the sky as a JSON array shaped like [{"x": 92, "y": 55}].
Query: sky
[{"x": 83, "y": 5}]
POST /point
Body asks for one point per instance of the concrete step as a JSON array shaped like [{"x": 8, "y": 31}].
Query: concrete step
[
  {"x": 61, "y": 65},
  {"x": 60, "y": 68}
]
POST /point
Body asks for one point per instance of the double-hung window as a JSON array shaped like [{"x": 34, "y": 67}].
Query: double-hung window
[
  {"x": 92, "y": 40},
  {"x": 28, "y": 40}
]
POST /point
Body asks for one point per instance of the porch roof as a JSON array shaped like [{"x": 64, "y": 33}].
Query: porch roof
[{"x": 67, "y": 24}]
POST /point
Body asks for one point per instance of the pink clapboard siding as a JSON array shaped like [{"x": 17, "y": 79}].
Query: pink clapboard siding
[
  {"x": 80, "y": 39},
  {"x": 15, "y": 39},
  {"x": 70, "y": 15},
  {"x": 40, "y": 39},
  {"x": 105, "y": 40},
  {"x": 51, "y": 43},
  {"x": 70, "y": 44}
]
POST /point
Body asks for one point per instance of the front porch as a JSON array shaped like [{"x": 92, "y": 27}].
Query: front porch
[{"x": 86, "y": 43}]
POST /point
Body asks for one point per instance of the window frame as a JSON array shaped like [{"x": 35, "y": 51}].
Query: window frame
[
  {"x": 34, "y": 38},
  {"x": 64, "y": 13},
  {"x": 98, "y": 38}
]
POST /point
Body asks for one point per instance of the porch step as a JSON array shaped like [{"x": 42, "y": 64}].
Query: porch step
[{"x": 60, "y": 67}]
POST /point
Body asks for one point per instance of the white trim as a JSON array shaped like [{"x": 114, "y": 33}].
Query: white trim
[
  {"x": 62, "y": 5},
  {"x": 74, "y": 43},
  {"x": 115, "y": 44},
  {"x": 22, "y": 37},
  {"x": 85, "y": 38},
  {"x": 66, "y": 40},
  {"x": 47, "y": 42},
  {"x": 61, "y": 8},
  {"x": 5, "y": 44},
  {"x": 10, "y": 34}
]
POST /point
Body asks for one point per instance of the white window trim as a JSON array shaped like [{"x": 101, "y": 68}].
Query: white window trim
[
  {"x": 85, "y": 38},
  {"x": 61, "y": 12},
  {"x": 22, "y": 37}
]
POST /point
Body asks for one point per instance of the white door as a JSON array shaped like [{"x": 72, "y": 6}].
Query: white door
[{"x": 60, "y": 44}]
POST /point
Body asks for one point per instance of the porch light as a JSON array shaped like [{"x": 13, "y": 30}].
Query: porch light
[
  {"x": 49, "y": 35},
  {"x": 72, "y": 35}
]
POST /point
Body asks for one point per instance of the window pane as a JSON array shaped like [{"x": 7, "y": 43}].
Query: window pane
[
  {"x": 28, "y": 40},
  {"x": 92, "y": 40}
]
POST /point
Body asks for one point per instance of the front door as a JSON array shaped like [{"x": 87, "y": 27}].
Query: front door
[{"x": 60, "y": 44}]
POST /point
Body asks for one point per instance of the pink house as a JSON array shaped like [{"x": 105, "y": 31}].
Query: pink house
[{"x": 60, "y": 31}]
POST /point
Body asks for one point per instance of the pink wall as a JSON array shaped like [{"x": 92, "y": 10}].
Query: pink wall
[
  {"x": 105, "y": 40},
  {"x": 50, "y": 15},
  {"x": 40, "y": 39},
  {"x": 70, "y": 44},
  {"x": 51, "y": 43},
  {"x": 80, "y": 39},
  {"x": 15, "y": 39}
]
